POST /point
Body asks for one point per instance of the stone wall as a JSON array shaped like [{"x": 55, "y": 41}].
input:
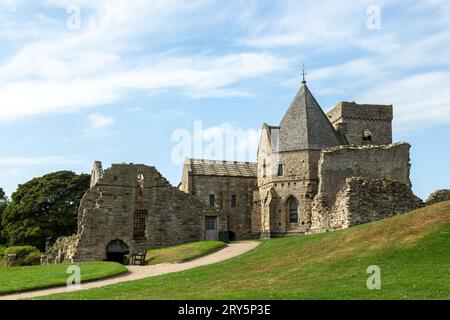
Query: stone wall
[
  {"x": 108, "y": 212},
  {"x": 298, "y": 180},
  {"x": 372, "y": 161},
  {"x": 439, "y": 196},
  {"x": 62, "y": 251},
  {"x": 352, "y": 119},
  {"x": 364, "y": 200}
]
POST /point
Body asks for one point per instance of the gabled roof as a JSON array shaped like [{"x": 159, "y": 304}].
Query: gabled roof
[
  {"x": 272, "y": 135},
  {"x": 203, "y": 167},
  {"x": 305, "y": 125}
]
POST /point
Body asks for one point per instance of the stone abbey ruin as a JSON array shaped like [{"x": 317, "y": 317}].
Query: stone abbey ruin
[{"x": 315, "y": 172}]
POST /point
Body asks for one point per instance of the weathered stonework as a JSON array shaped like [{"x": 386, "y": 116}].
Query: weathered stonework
[
  {"x": 439, "y": 196},
  {"x": 351, "y": 120},
  {"x": 230, "y": 183},
  {"x": 363, "y": 200},
  {"x": 133, "y": 208},
  {"x": 315, "y": 172},
  {"x": 371, "y": 161},
  {"x": 308, "y": 159},
  {"x": 62, "y": 251}
]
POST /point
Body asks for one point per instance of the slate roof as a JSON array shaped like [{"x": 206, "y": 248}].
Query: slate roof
[
  {"x": 305, "y": 125},
  {"x": 203, "y": 167}
]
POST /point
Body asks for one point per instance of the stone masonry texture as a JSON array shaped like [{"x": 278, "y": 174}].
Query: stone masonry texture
[
  {"x": 107, "y": 213},
  {"x": 315, "y": 172}
]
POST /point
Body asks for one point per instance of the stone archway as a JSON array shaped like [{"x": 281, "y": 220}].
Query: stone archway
[
  {"x": 231, "y": 235},
  {"x": 116, "y": 251}
]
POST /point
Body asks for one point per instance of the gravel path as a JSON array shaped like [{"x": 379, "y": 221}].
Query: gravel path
[{"x": 136, "y": 272}]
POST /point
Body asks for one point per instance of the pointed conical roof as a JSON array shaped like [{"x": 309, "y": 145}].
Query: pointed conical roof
[{"x": 305, "y": 125}]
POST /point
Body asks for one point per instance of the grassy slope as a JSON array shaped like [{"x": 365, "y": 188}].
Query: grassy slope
[
  {"x": 413, "y": 252},
  {"x": 18, "y": 279},
  {"x": 183, "y": 252}
]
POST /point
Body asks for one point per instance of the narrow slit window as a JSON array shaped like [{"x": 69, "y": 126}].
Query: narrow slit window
[
  {"x": 280, "y": 170},
  {"x": 264, "y": 168},
  {"x": 212, "y": 200},
  {"x": 233, "y": 201}
]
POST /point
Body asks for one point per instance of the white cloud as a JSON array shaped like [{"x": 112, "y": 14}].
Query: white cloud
[
  {"x": 200, "y": 76},
  {"x": 419, "y": 100},
  {"x": 65, "y": 70},
  {"x": 59, "y": 70},
  {"x": 98, "y": 121}
]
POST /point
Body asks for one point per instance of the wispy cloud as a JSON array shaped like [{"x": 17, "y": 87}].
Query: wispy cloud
[
  {"x": 124, "y": 47},
  {"x": 99, "y": 121}
]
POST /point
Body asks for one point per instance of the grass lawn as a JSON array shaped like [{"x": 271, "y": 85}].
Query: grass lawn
[
  {"x": 412, "y": 250},
  {"x": 17, "y": 279},
  {"x": 183, "y": 252}
]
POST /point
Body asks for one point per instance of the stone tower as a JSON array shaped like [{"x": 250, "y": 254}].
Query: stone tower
[
  {"x": 288, "y": 156},
  {"x": 363, "y": 124}
]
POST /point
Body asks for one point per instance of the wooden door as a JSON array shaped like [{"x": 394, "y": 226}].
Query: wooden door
[{"x": 210, "y": 228}]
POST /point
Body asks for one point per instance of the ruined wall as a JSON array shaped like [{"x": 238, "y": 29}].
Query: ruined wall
[
  {"x": 374, "y": 162},
  {"x": 62, "y": 251},
  {"x": 439, "y": 196},
  {"x": 96, "y": 173},
  {"x": 363, "y": 200},
  {"x": 107, "y": 212}
]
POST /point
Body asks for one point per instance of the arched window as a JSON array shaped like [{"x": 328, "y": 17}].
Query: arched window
[
  {"x": 212, "y": 200},
  {"x": 293, "y": 211},
  {"x": 140, "y": 186},
  {"x": 280, "y": 170},
  {"x": 367, "y": 135}
]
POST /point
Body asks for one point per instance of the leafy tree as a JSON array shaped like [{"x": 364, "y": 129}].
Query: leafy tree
[
  {"x": 3, "y": 204},
  {"x": 44, "y": 207}
]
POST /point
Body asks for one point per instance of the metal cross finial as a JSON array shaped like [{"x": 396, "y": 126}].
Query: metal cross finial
[{"x": 304, "y": 74}]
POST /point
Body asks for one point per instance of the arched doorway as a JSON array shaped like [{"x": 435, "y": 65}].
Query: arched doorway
[
  {"x": 116, "y": 251},
  {"x": 231, "y": 236}
]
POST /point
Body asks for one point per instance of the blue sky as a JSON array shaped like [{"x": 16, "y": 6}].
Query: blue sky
[{"x": 118, "y": 81}]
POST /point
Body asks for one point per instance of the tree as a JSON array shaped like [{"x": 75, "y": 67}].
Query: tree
[
  {"x": 44, "y": 207},
  {"x": 3, "y": 204}
]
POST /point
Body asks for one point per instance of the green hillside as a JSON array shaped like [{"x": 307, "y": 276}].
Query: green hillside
[{"x": 412, "y": 250}]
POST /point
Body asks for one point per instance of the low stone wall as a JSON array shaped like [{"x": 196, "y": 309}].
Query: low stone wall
[
  {"x": 62, "y": 251},
  {"x": 439, "y": 196},
  {"x": 363, "y": 200}
]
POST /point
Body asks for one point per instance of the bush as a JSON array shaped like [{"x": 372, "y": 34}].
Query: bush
[
  {"x": 32, "y": 259},
  {"x": 25, "y": 255},
  {"x": 21, "y": 252}
]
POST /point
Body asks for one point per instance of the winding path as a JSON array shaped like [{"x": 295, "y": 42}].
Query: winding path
[{"x": 135, "y": 272}]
